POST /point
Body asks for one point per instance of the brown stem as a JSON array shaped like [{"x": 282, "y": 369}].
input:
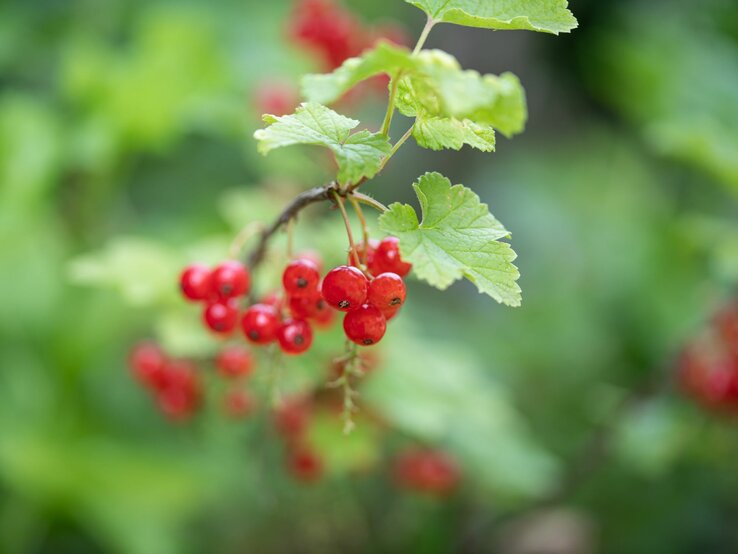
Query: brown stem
[{"x": 302, "y": 200}]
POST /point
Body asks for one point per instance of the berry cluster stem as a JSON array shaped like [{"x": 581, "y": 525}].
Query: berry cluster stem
[
  {"x": 364, "y": 228},
  {"x": 353, "y": 252}
]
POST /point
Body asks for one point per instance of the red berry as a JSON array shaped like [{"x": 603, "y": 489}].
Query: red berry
[
  {"x": 428, "y": 471},
  {"x": 273, "y": 299},
  {"x": 345, "y": 288},
  {"x": 260, "y": 323},
  {"x": 238, "y": 403},
  {"x": 390, "y": 313},
  {"x": 386, "y": 292},
  {"x": 276, "y": 98},
  {"x": 301, "y": 277},
  {"x": 195, "y": 282},
  {"x": 234, "y": 361},
  {"x": 147, "y": 361},
  {"x": 179, "y": 396},
  {"x": 304, "y": 464},
  {"x": 325, "y": 315},
  {"x": 221, "y": 317},
  {"x": 307, "y": 307},
  {"x": 365, "y": 326},
  {"x": 230, "y": 279},
  {"x": 365, "y": 252},
  {"x": 291, "y": 417},
  {"x": 387, "y": 258},
  {"x": 295, "y": 336}
]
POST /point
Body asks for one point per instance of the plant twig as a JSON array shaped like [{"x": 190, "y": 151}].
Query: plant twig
[
  {"x": 302, "y": 200},
  {"x": 364, "y": 230},
  {"x": 352, "y": 245}
]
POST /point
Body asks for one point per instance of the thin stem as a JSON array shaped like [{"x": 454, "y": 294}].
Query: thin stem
[
  {"x": 352, "y": 245},
  {"x": 364, "y": 229},
  {"x": 290, "y": 238},
  {"x": 391, "y": 104},
  {"x": 424, "y": 35},
  {"x": 243, "y": 237},
  {"x": 369, "y": 201},
  {"x": 397, "y": 146}
]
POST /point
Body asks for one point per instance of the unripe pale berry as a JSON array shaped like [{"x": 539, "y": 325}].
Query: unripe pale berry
[
  {"x": 221, "y": 317},
  {"x": 260, "y": 323},
  {"x": 195, "y": 282},
  {"x": 365, "y": 326},
  {"x": 295, "y": 336},
  {"x": 345, "y": 288},
  {"x": 230, "y": 280}
]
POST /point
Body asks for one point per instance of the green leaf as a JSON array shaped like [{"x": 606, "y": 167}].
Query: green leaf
[
  {"x": 437, "y": 133},
  {"x": 457, "y": 237},
  {"x": 442, "y": 89},
  {"x": 547, "y": 16},
  {"x": 358, "y": 155},
  {"x": 385, "y": 58}
]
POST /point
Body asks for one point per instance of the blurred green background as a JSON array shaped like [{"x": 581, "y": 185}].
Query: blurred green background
[{"x": 126, "y": 152}]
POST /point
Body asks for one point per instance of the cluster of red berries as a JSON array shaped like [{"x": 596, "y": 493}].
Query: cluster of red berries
[
  {"x": 335, "y": 34},
  {"x": 708, "y": 367},
  {"x": 177, "y": 386},
  {"x": 220, "y": 289},
  {"x": 369, "y": 301},
  {"x": 175, "y": 383},
  {"x": 427, "y": 471}
]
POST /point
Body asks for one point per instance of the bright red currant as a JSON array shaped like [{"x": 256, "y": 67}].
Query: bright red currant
[
  {"x": 230, "y": 279},
  {"x": 221, "y": 317},
  {"x": 234, "y": 361},
  {"x": 260, "y": 323},
  {"x": 345, "y": 288},
  {"x": 365, "y": 252},
  {"x": 295, "y": 336},
  {"x": 387, "y": 258},
  {"x": 308, "y": 306},
  {"x": 365, "y": 326},
  {"x": 301, "y": 277},
  {"x": 386, "y": 292},
  {"x": 195, "y": 282}
]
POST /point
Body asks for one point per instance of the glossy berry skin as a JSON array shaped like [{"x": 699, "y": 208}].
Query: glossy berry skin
[
  {"x": 301, "y": 278},
  {"x": 345, "y": 288},
  {"x": 230, "y": 280},
  {"x": 147, "y": 362},
  {"x": 308, "y": 306},
  {"x": 221, "y": 317},
  {"x": 386, "y": 292},
  {"x": 295, "y": 336},
  {"x": 387, "y": 258},
  {"x": 260, "y": 323},
  {"x": 195, "y": 282},
  {"x": 365, "y": 252},
  {"x": 234, "y": 361},
  {"x": 365, "y": 326}
]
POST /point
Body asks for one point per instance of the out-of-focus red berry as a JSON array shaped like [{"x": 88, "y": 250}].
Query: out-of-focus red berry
[
  {"x": 234, "y": 361},
  {"x": 428, "y": 471},
  {"x": 304, "y": 464}
]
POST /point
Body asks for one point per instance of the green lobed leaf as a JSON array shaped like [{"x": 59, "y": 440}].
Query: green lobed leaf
[
  {"x": 437, "y": 133},
  {"x": 385, "y": 58},
  {"x": 457, "y": 237},
  {"x": 443, "y": 89},
  {"x": 547, "y": 16},
  {"x": 358, "y": 155}
]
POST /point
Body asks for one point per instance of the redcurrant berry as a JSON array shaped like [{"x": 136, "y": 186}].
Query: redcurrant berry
[
  {"x": 291, "y": 417},
  {"x": 304, "y": 464},
  {"x": 147, "y": 361},
  {"x": 367, "y": 252},
  {"x": 301, "y": 277},
  {"x": 427, "y": 471},
  {"x": 365, "y": 326},
  {"x": 295, "y": 336},
  {"x": 238, "y": 404},
  {"x": 308, "y": 306},
  {"x": 345, "y": 288},
  {"x": 230, "y": 279},
  {"x": 260, "y": 323},
  {"x": 234, "y": 361},
  {"x": 180, "y": 394},
  {"x": 221, "y": 317},
  {"x": 195, "y": 282},
  {"x": 387, "y": 258},
  {"x": 386, "y": 292}
]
